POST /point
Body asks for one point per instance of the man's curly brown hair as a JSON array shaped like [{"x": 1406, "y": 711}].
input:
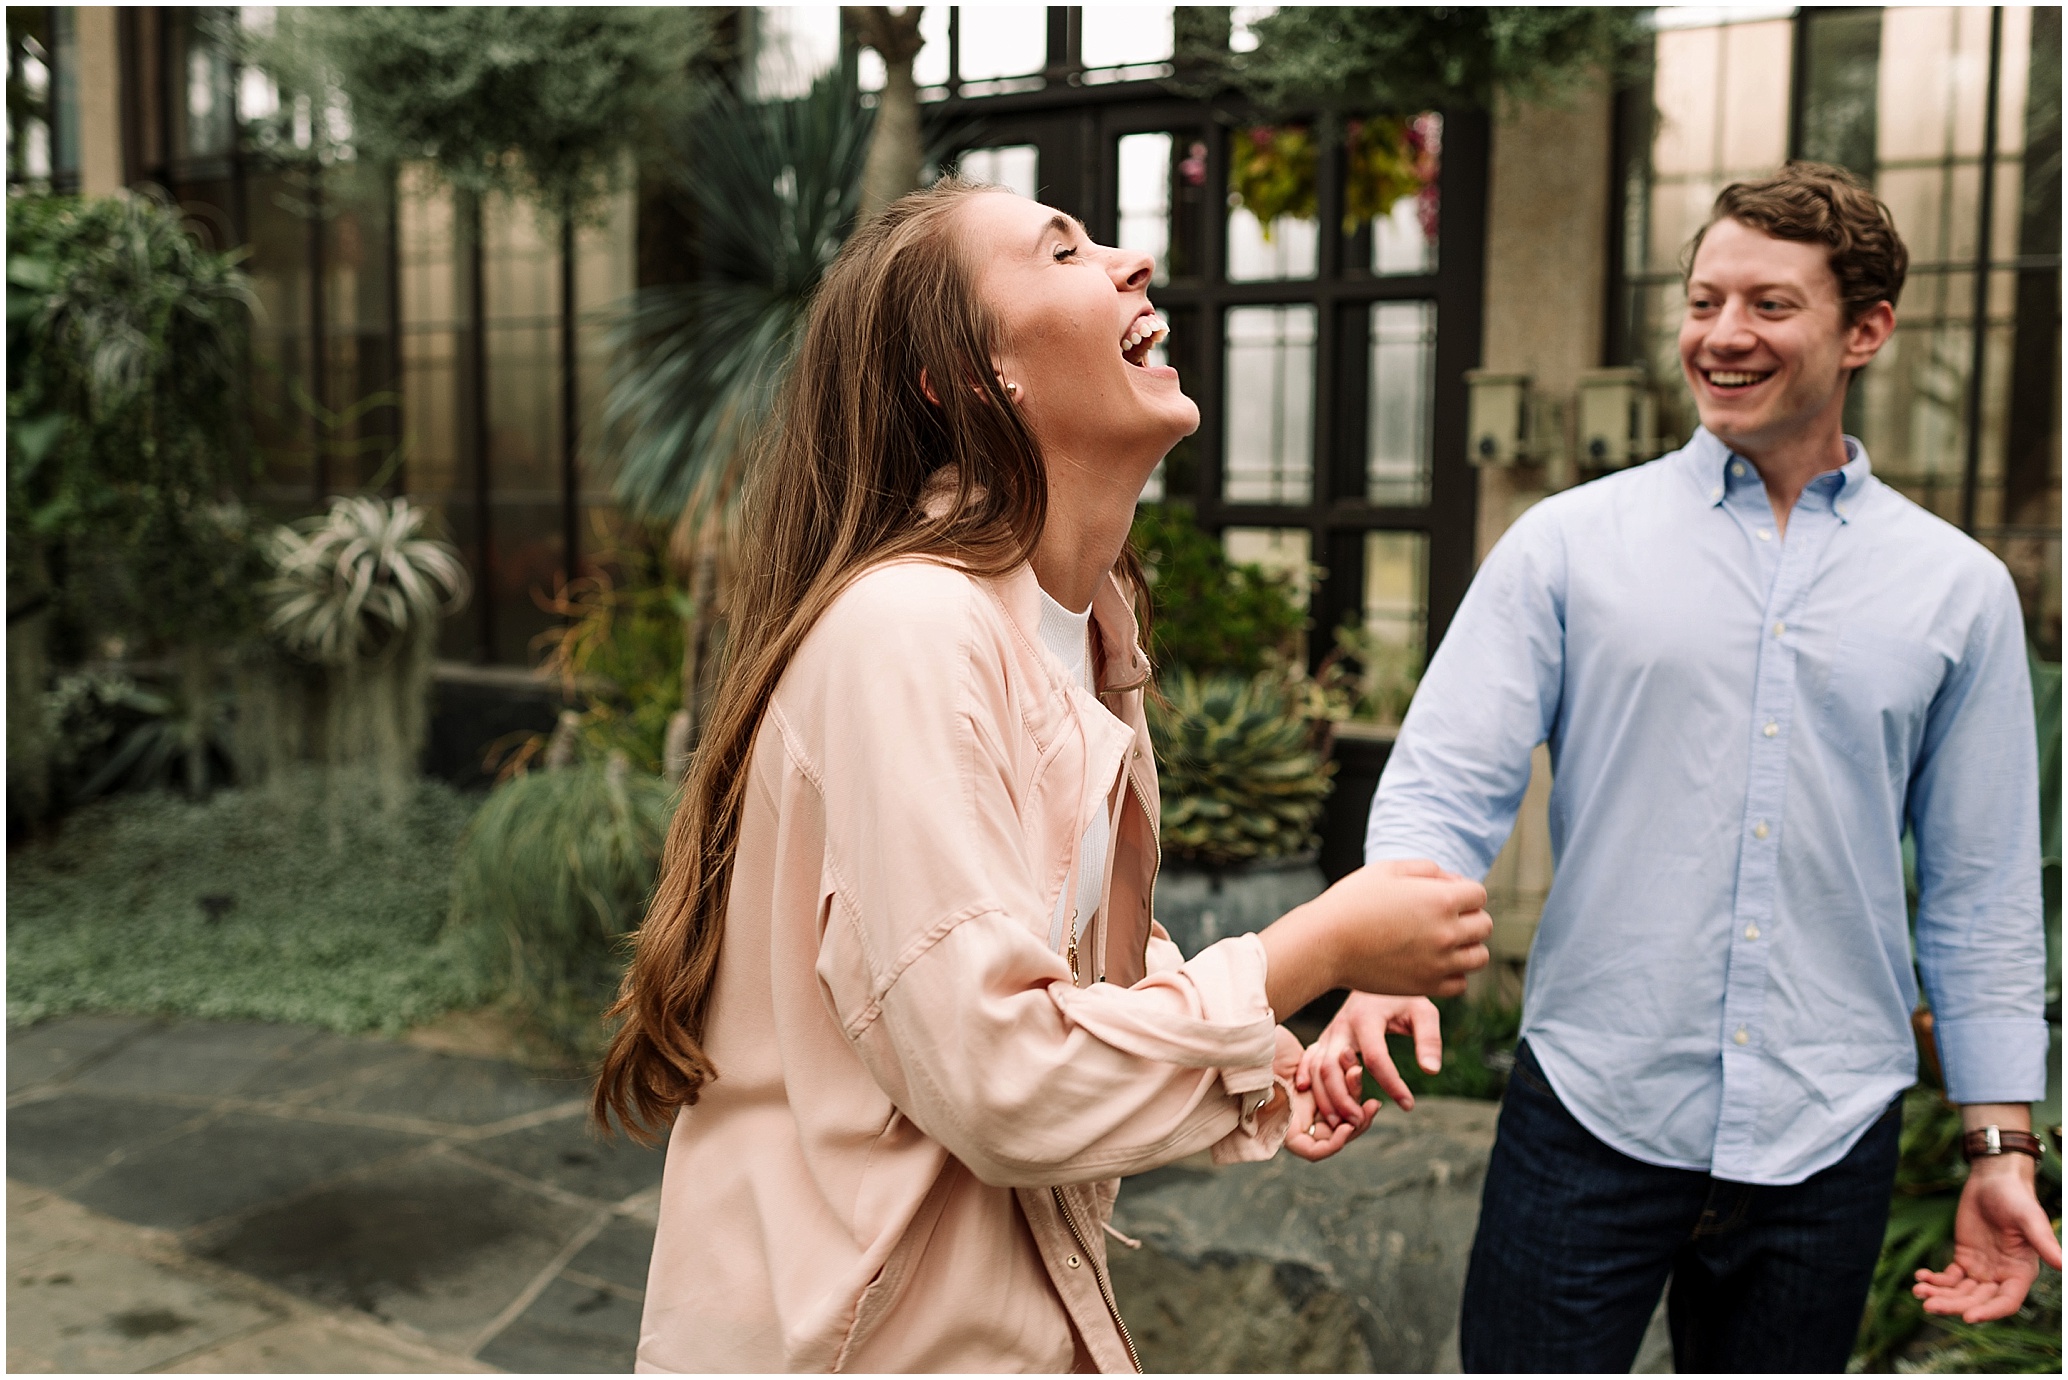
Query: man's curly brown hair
[{"x": 1821, "y": 204}]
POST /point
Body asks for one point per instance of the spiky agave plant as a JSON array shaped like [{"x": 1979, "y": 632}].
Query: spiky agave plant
[
  {"x": 359, "y": 591},
  {"x": 553, "y": 872},
  {"x": 774, "y": 188},
  {"x": 1241, "y": 779}
]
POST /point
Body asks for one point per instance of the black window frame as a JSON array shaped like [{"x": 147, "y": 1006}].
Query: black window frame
[{"x": 1076, "y": 128}]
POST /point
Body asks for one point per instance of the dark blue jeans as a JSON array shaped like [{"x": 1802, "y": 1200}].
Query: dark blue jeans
[{"x": 1576, "y": 1240}]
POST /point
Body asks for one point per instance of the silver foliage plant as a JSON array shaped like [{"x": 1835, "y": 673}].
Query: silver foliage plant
[{"x": 360, "y": 591}]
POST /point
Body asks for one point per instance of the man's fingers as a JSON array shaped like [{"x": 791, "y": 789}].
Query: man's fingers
[
  {"x": 1409, "y": 867},
  {"x": 1428, "y": 1032},
  {"x": 2040, "y": 1232},
  {"x": 1388, "y": 1077},
  {"x": 1465, "y": 897}
]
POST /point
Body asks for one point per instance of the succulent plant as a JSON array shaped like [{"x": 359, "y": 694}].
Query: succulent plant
[{"x": 1241, "y": 777}]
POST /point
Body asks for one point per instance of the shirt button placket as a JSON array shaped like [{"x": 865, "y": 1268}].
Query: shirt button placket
[{"x": 1758, "y": 872}]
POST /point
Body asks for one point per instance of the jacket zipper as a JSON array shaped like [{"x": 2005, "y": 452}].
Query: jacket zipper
[
  {"x": 1070, "y": 1220},
  {"x": 1155, "y": 841}
]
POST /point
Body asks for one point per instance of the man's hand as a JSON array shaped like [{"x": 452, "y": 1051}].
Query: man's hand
[
  {"x": 2000, "y": 1234},
  {"x": 1405, "y": 926},
  {"x": 1333, "y": 1067}
]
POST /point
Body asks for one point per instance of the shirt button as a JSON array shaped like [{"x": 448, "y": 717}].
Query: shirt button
[
  {"x": 1771, "y": 728},
  {"x": 1740, "y": 1036},
  {"x": 1716, "y": 493},
  {"x": 1838, "y": 508},
  {"x": 1780, "y": 628},
  {"x": 1760, "y": 831},
  {"x": 1766, "y": 534},
  {"x": 1073, "y": 1262},
  {"x": 1752, "y": 931},
  {"x": 1738, "y": 470}
]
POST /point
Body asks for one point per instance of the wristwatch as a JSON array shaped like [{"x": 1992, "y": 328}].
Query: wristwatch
[{"x": 1984, "y": 1141}]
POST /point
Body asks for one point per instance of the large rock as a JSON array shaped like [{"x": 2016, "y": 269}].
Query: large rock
[{"x": 1353, "y": 1264}]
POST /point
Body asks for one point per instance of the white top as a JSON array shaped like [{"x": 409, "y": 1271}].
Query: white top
[{"x": 1068, "y": 636}]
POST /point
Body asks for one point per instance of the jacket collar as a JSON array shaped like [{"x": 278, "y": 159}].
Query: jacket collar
[
  {"x": 1112, "y": 613},
  {"x": 1124, "y": 665}
]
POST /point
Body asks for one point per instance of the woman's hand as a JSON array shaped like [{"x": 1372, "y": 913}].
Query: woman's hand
[
  {"x": 1307, "y": 1137},
  {"x": 1406, "y": 927},
  {"x": 1314, "y": 1139},
  {"x": 1332, "y": 1069}
]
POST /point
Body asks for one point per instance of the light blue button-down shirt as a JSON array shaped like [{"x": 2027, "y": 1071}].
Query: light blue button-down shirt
[{"x": 1741, "y": 723}]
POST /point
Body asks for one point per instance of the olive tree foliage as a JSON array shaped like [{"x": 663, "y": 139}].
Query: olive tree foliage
[
  {"x": 540, "y": 102},
  {"x": 1398, "y": 59}
]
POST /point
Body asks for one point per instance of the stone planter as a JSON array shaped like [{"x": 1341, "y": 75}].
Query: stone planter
[{"x": 1200, "y": 905}]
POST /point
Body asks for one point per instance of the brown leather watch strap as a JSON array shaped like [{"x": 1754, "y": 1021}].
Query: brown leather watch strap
[{"x": 1985, "y": 1141}]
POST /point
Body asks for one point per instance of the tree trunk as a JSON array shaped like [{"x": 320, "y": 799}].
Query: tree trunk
[{"x": 892, "y": 168}]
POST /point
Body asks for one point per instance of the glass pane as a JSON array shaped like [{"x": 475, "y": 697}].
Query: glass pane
[
  {"x": 930, "y": 68},
  {"x": 1125, "y": 35},
  {"x": 793, "y": 46},
  {"x": 1144, "y": 198},
  {"x": 432, "y": 326},
  {"x": 1403, "y": 378},
  {"x": 1270, "y": 405},
  {"x": 606, "y": 265},
  {"x": 1396, "y": 621},
  {"x": 1403, "y": 235},
  {"x": 1003, "y": 40},
  {"x": 1290, "y": 250},
  {"x": 520, "y": 275},
  {"x": 206, "y": 108},
  {"x": 1014, "y": 167},
  {"x": 1841, "y": 66},
  {"x": 1287, "y": 551}
]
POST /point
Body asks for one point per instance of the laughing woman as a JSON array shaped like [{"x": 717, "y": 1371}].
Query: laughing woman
[{"x": 900, "y": 994}]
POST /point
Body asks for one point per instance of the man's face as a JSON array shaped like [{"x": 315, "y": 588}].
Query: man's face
[{"x": 1765, "y": 346}]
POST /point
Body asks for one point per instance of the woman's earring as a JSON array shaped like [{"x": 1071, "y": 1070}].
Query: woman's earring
[{"x": 1012, "y": 390}]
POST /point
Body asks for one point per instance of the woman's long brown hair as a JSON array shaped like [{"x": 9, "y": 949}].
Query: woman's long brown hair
[{"x": 834, "y": 489}]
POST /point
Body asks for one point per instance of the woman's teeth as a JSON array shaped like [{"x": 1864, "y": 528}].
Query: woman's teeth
[{"x": 1145, "y": 335}]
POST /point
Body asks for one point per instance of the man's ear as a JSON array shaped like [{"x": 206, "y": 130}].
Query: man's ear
[{"x": 1865, "y": 337}]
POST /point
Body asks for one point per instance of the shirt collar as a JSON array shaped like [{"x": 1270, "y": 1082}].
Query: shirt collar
[{"x": 1712, "y": 467}]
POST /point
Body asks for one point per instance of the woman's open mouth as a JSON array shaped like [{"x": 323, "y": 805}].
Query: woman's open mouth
[{"x": 1145, "y": 334}]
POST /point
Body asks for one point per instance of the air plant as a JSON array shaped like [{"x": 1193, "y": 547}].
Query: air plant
[{"x": 359, "y": 592}]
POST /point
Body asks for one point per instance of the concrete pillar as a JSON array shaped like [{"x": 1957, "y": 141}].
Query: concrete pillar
[
  {"x": 100, "y": 101},
  {"x": 1549, "y": 199}
]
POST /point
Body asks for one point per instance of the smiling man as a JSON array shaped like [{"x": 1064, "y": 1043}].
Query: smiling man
[{"x": 1755, "y": 665}]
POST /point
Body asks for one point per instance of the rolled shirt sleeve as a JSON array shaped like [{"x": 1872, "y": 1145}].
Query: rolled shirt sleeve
[
  {"x": 1974, "y": 813},
  {"x": 1457, "y": 775}
]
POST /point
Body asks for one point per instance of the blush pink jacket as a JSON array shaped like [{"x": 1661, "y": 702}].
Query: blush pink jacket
[{"x": 915, "y": 1137}]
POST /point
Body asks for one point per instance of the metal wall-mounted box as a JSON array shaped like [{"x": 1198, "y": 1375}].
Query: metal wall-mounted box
[
  {"x": 1497, "y": 418},
  {"x": 1618, "y": 425}
]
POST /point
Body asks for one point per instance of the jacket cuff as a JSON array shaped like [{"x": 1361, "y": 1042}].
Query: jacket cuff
[
  {"x": 1993, "y": 1058},
  {"x": 1260, "y": 1130},
  {"x": 1229, "y": 977}
]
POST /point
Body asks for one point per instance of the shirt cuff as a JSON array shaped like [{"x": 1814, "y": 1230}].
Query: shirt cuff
[{"x": 1992, "y": 1059}]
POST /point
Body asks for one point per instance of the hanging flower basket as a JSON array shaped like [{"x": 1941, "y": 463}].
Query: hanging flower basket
[{"x": 1272, "y": 170}]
